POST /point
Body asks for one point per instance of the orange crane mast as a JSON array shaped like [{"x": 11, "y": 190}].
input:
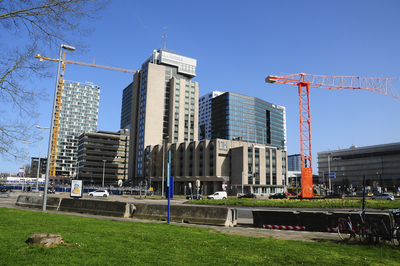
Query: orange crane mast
[
  {"x": 60, "y": 85},
  {"x": 386, "y": 86}
]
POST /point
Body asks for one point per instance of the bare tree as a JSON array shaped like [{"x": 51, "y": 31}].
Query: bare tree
[{"x": 31, "y": 27}]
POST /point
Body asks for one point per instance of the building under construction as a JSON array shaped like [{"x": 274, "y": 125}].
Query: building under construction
[{"x": 78, "y": 114}]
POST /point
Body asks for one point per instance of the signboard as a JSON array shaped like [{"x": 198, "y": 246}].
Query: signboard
[
  {"x": 331, "y": 175},
  {"x": 76, "y": 188}
]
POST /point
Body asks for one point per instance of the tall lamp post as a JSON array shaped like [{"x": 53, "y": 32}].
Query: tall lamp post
[
  {"x": 163, "y": 155},
  {"x": 329, "y": 172},
  {"x": 26, "y": 148},
  {"x": 104, "y": 167},
  {"x": 40, "y": 152},
  {"x": 150, "y": 161},
  {"x": 46, "y": 182}
]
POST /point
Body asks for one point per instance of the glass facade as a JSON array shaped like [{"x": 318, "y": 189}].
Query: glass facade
[
  {"x": 126, "y": 107},
  {"x": 205, "y": 114},
  {"x": 236, "y": 116}
]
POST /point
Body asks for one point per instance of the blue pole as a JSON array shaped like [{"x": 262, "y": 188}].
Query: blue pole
[{"x": 169, "y": 191}]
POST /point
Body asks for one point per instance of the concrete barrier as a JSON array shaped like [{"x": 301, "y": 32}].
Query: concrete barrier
[
  {"x": 320, "y": 221},
  {"x": 97, "y": 207},
  {"x": 188, "y": 214},
  {"x": 37, "y": 202}
]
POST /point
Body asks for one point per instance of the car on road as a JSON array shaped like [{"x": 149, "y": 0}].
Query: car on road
[
  {"x": 383, "y": 196},
  {"x": 99, "y": 193},
  {"x": 247, "y": 196},
  {"x": 194, "y": 197},
  {"x": 279, "y": 196},
  {"x": 334, "y": 196}
]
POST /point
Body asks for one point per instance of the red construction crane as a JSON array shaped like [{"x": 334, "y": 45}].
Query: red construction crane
[{"x": 304, "y": 82}]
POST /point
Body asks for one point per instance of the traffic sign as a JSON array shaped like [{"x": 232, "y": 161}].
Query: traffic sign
[{"x": 331, "y": 175}]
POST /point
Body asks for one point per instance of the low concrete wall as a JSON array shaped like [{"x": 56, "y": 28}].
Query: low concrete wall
[
  {"x": 97, "y": 207},
  {"x": 37, "y": 202},
  {"x": 320, "y": 221},
  {"x": 188, "y": 214}
]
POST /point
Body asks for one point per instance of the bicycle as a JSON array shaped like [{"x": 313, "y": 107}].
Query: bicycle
[
  {"x": 345, "y": 228},
  {"x": 379, "y": 231}
]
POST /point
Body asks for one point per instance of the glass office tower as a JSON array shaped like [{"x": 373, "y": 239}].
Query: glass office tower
[{"x": 237, "y": 116}]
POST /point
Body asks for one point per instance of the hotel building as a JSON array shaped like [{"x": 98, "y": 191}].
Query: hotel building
[{"x": 164, "y": 106}]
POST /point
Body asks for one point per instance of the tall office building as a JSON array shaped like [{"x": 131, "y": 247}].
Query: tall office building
[
  {"x": 164, "y": 106},
  {"x": 294, "y": 162},
  {"x": 237, "y": 116},
  {"x": 79, "y": 113},
  {"x": 126, "y": 107},
  {"x": 205, "y": 114}
]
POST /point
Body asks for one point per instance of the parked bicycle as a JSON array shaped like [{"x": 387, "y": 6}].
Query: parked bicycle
[
  {"x": 379, "y": 230},
  {"x": 346, "y": 230}
]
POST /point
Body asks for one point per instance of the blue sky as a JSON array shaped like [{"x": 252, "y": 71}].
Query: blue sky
[{"x": 239, "y": 43}]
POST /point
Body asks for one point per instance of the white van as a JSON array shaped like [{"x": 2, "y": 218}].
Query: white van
[{"x": 218, "y": 195}]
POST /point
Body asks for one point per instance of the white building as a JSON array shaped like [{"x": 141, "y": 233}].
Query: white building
[
  {"x": 79, "y": 113},
  {"x": 205, "y": 114}
]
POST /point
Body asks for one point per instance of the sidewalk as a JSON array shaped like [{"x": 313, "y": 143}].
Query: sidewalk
[{"x": 241, "y": 230}]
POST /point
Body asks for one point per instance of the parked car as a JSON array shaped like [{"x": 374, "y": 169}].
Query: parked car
[
  {"x": 279, "y": 196},
  {"x": 218, "y": 195},
  {"x": 383, "y": 196},
  {"x": 334, "y": 196},
  {"x": 247, "y": 196},
  {"x": 195, "y": 197},
  {"x": 99, "y": 193}
]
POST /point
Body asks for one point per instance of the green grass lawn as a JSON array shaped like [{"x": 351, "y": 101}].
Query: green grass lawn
[
  {"x": 91, "y": 241},
  {"x": 348, "y": 203}
]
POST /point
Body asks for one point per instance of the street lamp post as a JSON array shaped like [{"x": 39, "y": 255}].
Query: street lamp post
[
  {"x": 329, "y": 172},
  {"x": 150, "y": 161},
  {"x": 104, "y": 167},
  {"x": 26, "y": 148},
  {"x": 162, "y": 182},
  {"x": 46, "y": 182},
  {"x": 40, "y": 152}
]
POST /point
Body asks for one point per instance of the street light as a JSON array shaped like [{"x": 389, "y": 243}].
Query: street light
[
  {"x": 68, "y": 48},
  {"x": 26, "y": 148},
  {"x": 329, "y": 172},
  {"x": 104, "y": 166},
  {"x": 163, "y": 155},
  {"x": 150, "y": 161},
  {"x": 40, "y": 151}
]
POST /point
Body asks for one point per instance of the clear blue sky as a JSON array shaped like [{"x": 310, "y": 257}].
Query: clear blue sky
[{"x": 239, "y": 43}]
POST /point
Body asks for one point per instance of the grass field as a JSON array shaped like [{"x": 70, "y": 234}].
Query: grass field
[
  {"x": 91, "y": 241},
  {"x": 348, "y": 203}
]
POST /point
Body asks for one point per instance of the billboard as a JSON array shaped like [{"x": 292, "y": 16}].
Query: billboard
[{"x": 76, "y": 188}]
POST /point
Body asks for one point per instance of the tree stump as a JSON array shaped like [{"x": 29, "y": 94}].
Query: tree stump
[{"x": 45, "y": 239}]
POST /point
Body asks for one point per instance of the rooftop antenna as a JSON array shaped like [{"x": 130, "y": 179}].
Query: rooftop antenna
[{"x": 165, "y": 37}]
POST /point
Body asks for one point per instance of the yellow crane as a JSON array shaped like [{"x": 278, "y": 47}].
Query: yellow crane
[{"x": 53, "y": 156}]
